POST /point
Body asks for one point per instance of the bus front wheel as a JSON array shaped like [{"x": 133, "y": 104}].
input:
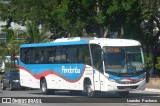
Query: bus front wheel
[{"x": 89, "y": 91}]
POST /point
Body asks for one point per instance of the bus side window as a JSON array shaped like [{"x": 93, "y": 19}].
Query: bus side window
[
  {"x": 22, "y": 55},
  {"x": 58, "y": 54},
  {"x": 71, "y": 56},
  {"x": 86, "y": 55},
  {"x": 79, "y": 54},
  {"x": 42, "y": 55},
  {"x": 37, "y": 55},
  {"x": 51, "y": 55},
  {"x": 63, "y": 54},
  {"x": 27, "y": 57}
]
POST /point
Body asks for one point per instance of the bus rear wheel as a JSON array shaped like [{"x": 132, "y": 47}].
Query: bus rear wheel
[{"x": 44, "y": 88}]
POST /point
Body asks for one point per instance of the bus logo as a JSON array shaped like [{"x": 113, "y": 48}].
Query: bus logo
[{"x": 70, "y": 69}]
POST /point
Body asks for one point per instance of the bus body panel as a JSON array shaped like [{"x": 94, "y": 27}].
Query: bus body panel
[{"x": 27, "y": 80}]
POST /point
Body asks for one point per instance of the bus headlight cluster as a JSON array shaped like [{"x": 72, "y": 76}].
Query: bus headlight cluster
[
  {"x": 110, "y": 79},
  {"x": 142, "y": 77}
]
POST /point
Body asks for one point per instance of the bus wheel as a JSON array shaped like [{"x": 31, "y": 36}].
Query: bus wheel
[
  {"x": 123, "y": 93},
  {"x": 44, "y": 89},
  {"x": 2, "y": 86},
  {"x": 89, "y": 91}
]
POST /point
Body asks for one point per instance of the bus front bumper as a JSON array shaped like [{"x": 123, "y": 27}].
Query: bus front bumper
[{"x": 113, "y": 86}]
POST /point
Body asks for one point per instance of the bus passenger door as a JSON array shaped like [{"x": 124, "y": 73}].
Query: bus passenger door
[
  {"x": 97, "y": 62},
  {"x": 102, "y": 77},
  {"x": 102, "y": 81},
  {"x": 99, "y": 79},
  {"x": 96, "y": 74}
]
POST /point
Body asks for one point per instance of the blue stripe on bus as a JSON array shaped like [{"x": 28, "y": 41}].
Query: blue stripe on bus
[
  {"x": 55, "y": 43},
  {"x": 69, "y": 72}
]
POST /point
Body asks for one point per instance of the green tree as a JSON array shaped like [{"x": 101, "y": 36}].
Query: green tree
[
  {"x": 151, "y": 27},
  {"x": 12, "y": 46},
  {"x": 151, "y": 23},
  {"x": 34, "y": 34},
  {"x": 74, "y": 17},
  {"x": 158, "y": 63},
  {"x": 24, "y": 12}
]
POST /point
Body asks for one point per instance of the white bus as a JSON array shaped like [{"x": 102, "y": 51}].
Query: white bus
[{"x": 79, "y": 64}]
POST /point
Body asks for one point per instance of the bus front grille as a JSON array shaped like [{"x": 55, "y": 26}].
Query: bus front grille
[
  {"x": 126, "y": 82},
  {"x": 125, "y": 87}
]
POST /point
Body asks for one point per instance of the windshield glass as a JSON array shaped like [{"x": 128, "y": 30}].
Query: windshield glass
[{"x": 123, "y": 59}]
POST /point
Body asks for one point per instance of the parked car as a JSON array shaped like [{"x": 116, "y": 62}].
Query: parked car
[{"x": 11, "y": 80}]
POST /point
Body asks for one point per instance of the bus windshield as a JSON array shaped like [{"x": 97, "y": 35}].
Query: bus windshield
[{"x": 123, "y": 60}]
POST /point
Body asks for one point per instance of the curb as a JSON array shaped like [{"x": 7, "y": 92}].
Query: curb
[{"x": 152, "y": 90}]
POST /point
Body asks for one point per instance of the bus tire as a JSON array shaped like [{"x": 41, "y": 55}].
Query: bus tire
[
  {"x": 89, "y": 91},
  {"x": 44, "y": 88},
  {"x": 123, "y": 93}
]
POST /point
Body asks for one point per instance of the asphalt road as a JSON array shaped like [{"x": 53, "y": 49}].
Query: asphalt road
[
  {"x": 37, "y": 93},
  {"x": 63, "y": 98}
]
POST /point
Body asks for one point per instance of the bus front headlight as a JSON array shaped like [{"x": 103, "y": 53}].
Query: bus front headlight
[{"x": 110, "y": 79}]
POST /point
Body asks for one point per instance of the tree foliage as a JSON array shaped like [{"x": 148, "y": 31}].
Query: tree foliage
[
  {"x": 158, "y": 63},
  {"x": 151, "y": 16},
  {"x": 73, "y": 16},
  {"x": 79, "y": 17}
]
